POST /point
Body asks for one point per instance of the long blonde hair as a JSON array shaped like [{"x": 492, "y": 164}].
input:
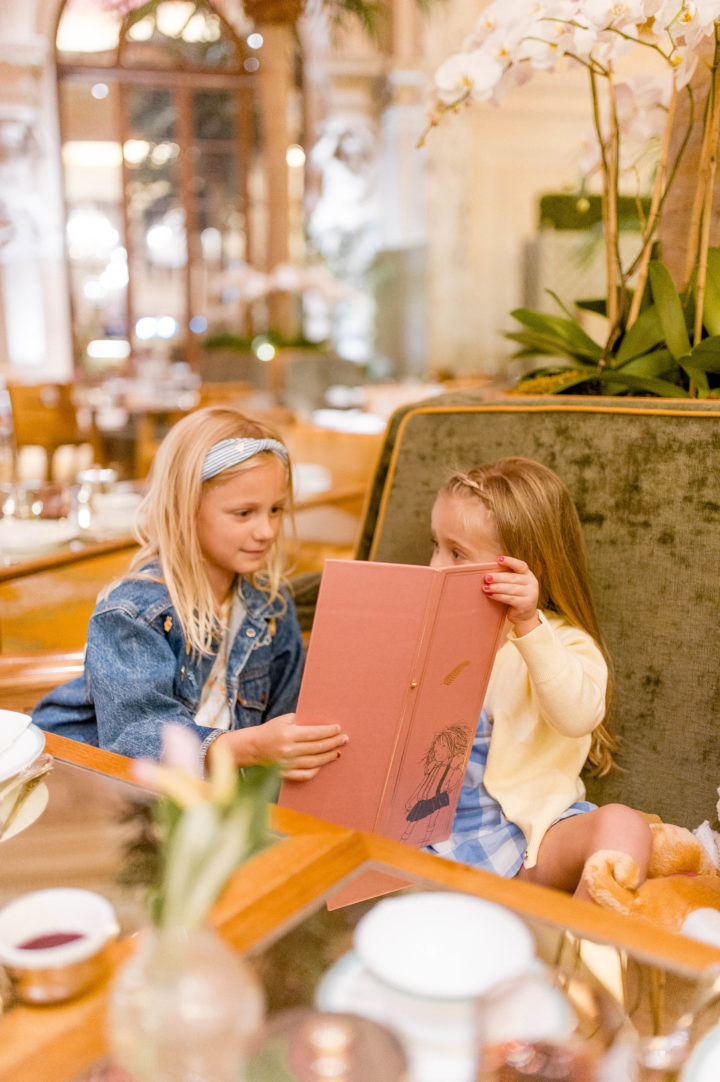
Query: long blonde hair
[
  {"x": 538, "y": 522},
  {"x": 167, "y": 517}
]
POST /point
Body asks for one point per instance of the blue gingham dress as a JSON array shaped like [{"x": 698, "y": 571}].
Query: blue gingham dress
[{"x": 481, "y": 835}]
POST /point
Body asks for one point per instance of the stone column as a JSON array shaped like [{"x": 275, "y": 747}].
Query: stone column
[
  {"x": 402, "y": 309},
  {"x": 274, "y": 20},
  {"x": 35, "y": 338}
]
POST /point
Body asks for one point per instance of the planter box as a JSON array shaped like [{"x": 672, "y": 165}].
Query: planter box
[{"x": 296, "y": 377}]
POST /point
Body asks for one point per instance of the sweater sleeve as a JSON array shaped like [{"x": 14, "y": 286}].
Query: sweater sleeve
[{"x": 568, "y": 674}]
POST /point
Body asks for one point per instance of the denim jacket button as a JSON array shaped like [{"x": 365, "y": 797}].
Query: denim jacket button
[{"x": 250, "y": 632}]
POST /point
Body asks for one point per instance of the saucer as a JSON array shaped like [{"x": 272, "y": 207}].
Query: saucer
[
  {"x": 704, "y": 1062},
  {"x": 439, "y": 1038},
  {"x": 32, "y": 809}
]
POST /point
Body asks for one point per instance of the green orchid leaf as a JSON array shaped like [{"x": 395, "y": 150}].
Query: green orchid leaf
[
  {"x": 657, "y": 362},
  {"x": 711, "y": 302},
  {"x": 560, "y": 369},
  {"x": 547, "y": 345},
  {"x": 559, "y": 302},
  {"x": 706, "y": 354},
  {"x": 599, "y": 306},
  {"x": 696, "y": 374},
  {"x": 566, "y": 329},
  {"x": 670, "y": 310},
  {"x": 660, "y": 387},
  {"x": 645, "y": 333}
]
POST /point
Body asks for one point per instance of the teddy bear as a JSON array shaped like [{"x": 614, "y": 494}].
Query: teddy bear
[{"x": 682, "y": 889}]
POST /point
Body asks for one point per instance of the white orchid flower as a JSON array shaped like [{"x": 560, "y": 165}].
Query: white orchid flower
[
  {"x": 618, "y": 14},
  {"x": 181, "y": 749},
  {"x": 179, "y": 774},
  {"x": 684, "y": 61},
  {"x": 476, "y": 73},
  {"x": 687, "y": 21}
]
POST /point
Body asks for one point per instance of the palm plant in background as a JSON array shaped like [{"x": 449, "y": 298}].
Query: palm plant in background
[{"x": 660, "y": 339}]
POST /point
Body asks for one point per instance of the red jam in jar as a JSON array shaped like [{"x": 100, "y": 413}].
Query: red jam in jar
[{"x": 49, "y": 939}]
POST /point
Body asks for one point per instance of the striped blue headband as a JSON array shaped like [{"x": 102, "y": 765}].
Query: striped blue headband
[{"x": 227, "y": 453}]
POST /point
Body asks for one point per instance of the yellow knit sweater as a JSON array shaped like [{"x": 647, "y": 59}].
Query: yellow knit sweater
[{"x": 545, "y": 696}]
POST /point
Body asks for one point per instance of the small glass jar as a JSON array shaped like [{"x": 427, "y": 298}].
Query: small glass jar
[{"x": 554, "y": 1024}]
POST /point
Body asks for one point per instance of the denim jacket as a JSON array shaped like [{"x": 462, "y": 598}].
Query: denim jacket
[{"x": 140, "y": 672}]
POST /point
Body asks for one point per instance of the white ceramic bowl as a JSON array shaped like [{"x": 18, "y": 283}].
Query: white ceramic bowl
[
  {"x": 443, "y": 945},
  {"x": 53, "y": 973},
  {"x": 24, "y": 537}
]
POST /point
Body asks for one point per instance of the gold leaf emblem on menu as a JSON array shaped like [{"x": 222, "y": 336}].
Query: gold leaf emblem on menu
[{"x": 454, "y": 673}]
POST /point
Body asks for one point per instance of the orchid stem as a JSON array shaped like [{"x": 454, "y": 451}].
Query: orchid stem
[
  {"x": 708, "y": 181},
  {"x": 654, "y": 212},
  {"x": 609, "y": 204}
]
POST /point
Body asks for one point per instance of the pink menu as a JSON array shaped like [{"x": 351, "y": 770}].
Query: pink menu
[{"x": 400, "y": 656}]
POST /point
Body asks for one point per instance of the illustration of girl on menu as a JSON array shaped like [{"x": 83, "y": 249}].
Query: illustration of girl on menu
[{"x": 443, "y": 765}]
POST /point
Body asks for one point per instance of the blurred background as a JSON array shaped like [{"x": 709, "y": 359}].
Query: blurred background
[
  {"x": 186, "y": 185},
  {"x": 212, "y": 201}
]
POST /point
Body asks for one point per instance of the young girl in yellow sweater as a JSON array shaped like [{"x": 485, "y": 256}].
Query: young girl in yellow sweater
[{"x": 522, "y": 810}]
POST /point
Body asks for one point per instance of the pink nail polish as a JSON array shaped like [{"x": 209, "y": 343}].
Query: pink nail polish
[
  {"x": 488, "y": 578},
  {"x": 500, "y": 559},
  {"x": 338, "y": 755}
]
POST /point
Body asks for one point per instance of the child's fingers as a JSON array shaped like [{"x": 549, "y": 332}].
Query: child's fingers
[
  {"x": 315, "y": 747},
  {"x": 501, "y": 591},
  {"x": 298, "y": 775},
  {"x": 310, "y": 733},
  {"x": 512, "y": 563},
  {"x": 306, "y": 766}
]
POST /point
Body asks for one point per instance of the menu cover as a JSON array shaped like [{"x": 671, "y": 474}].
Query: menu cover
[{"x": 400, "y": 656}]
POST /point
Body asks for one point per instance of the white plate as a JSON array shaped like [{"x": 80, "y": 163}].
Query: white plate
[
  {"x": 443, "y": 945},
  {"x": 31, "y": 810},
  {"x": 20, "y": 537},
  {"x": 12, "y": 726},
  {"x": 23, "y": 752}
]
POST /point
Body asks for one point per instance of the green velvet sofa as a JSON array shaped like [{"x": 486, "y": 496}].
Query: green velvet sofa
[{"x": 645, "y": 475}]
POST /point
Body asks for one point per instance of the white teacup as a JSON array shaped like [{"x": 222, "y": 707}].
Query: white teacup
[
  {"x": 55, "y": 943},
  {"x": 431, "y": 958}
]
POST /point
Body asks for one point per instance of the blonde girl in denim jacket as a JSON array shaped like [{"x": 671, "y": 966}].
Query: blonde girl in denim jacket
[{"x": 200, "y": 630}]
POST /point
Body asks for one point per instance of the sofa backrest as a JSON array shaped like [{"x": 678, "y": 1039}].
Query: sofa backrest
[{"x": 645, "y": 476}]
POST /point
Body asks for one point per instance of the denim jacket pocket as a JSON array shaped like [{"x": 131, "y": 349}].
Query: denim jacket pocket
[
  {"x": 186, "y": 687},
  {"x": 254, "y": 692}
]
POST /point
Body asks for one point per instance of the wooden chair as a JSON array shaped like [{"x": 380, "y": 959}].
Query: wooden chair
[
  {"x": 25, "y": 678},
  {"x": 44, "y": 415}
]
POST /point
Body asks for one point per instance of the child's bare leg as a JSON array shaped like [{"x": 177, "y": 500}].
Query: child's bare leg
[{"x": 569, "y": 843}]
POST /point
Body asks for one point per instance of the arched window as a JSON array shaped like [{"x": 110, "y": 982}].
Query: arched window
[{"x": 165, "y": 179}]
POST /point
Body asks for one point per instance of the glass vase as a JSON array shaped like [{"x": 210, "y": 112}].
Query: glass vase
[{"x": 183, "y": 1008}]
